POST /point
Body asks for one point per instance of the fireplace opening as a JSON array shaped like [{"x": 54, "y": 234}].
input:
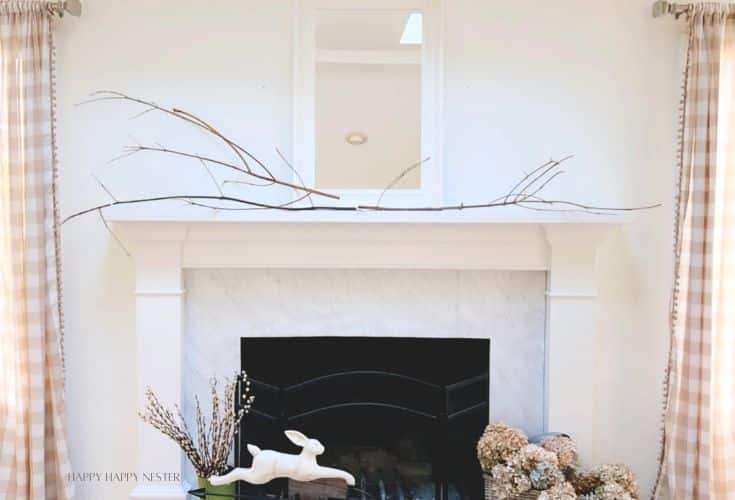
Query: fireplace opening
[{"x": 402, "y": 415}]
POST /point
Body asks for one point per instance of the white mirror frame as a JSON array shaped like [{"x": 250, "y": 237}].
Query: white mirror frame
[{"x": 305, "y": 56}]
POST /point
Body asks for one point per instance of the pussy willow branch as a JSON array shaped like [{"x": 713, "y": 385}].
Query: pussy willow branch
[
  {"x": 527, "y": 193},
  {"x": 208, "y": 453}
]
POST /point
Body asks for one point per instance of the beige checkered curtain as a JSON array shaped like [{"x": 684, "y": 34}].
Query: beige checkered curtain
[
  {"x": 699, "y": 458},
  {"x": 33, "y": 453}
]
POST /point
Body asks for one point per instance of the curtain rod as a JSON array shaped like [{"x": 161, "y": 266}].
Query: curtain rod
[
  {"x": 72, "y": 7},
  {"x": 662, "y": 8}
]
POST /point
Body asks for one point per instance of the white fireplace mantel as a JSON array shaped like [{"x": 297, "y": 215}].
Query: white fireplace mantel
[{"x": 563, "y": 244}]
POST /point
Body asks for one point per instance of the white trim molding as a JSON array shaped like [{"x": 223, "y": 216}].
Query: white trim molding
[
  {"x": 367, "y": 57},
  {"x": 572, "y": 348},
  {"x": 563, "y": 245}
]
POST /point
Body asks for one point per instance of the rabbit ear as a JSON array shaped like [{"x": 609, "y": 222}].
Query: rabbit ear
[{"x": 297, "y": 438}]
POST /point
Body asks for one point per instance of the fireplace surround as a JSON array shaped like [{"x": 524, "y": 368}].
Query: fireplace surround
[
  {"x": 166, "y": 242},
  {"x": 401, "y": 414}
]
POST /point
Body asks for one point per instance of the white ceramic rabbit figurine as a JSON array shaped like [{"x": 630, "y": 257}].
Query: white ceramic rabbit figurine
[{"x": 269, "y": 464}]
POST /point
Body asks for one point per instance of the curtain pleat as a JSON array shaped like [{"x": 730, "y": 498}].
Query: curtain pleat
[{"x": 33, "y": 452}]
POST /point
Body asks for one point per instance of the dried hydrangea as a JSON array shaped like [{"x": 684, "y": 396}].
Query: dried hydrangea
[
  {"x": 545, "y": 475},
  {"x": 611, "y": 491},
  {"x": 561, "y": 491},
  {"x": 509, "y": 482},
  {"x": 619, "y": 474},
  {"x": 530, "y": 456},
  {"x": 585, "y": 483},
  {"x": 498, "y": 444},
  {"x": 564, "y": 448}
]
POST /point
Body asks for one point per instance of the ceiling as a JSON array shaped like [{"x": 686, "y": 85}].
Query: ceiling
[{"x": 341, "y": 30}]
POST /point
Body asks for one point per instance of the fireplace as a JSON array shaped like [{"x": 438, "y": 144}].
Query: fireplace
[
  {"x": 196, "y": 297},
  {"x": 401, "y": 414}
]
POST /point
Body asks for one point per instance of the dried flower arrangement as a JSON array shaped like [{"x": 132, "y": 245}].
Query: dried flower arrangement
[
  {"x": 608, "y": 482},
  {"x": 549, "y": 469},
  {"x": 208, "y": 453}
]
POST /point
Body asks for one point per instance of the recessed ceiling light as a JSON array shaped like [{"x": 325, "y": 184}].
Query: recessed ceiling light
[
  {"x": 413, "y": 32},
  {"x": 356, "y": 138}
]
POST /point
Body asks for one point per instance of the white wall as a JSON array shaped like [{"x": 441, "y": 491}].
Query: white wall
[{"x": 525, "y": 81}]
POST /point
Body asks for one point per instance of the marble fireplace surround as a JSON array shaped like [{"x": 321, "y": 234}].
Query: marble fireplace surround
[{"x": 165, "y": 244}]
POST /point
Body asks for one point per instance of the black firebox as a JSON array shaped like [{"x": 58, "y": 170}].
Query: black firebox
[{"x": 401, "y": 414}]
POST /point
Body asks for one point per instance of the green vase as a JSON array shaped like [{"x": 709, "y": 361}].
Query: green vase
[{"x": 221, "y": 492}]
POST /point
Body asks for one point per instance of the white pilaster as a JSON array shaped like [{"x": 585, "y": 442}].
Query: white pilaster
[
  {"x": 159, "y": 328},
  {"x": 572, "y": 337}
]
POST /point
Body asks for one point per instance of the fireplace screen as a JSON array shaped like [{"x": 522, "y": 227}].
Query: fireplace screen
[{"x": 401, "y": 414}]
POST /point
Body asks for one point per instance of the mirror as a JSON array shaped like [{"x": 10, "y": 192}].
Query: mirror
[{"x": 367, "y": 99}]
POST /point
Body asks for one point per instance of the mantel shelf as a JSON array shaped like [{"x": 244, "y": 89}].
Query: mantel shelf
[
  {"x": 168, "y": 213},
  {"x": 496, "y": 239}
]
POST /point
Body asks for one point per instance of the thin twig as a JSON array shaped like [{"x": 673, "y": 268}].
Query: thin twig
[
  {"x": 504, "y": 204},
  {"x": 249, "y": 183},
  {"x": 114, "y": 236},
  {"x": 142, "y": 113},
  {"x": 525, "y": 177},
  {"x": 111, "y": 95},
  {"x": 296, "y": 173},
  {"x": 136, "y": 149},
  {"x": 200, "y": 123},
  {"x": 214, "y": 131},
  {"x": 544, "y": 184},
  {"x": 400, "y": 176},
  {"x": 539, "y": 177},
  {"x": 211, "y": 176},
  {"x": 240, "y": 209},
  {"x": 109, "y": 193}
]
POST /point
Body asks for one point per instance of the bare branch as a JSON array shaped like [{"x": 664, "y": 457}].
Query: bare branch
[
  {"x": 249, "y": 183},
  {"x": 527, "y": 193},
  {"x": 544, "y": 184},
  {"x": 525, "y": 177},
  {"x": 375, "y": 208},
  {"x": 227, "y": 141},
  {"x": 241, "y": 209},
  {"x": 104, "y": 187},
  {"x": 211, "y": 176},
  {"x": 296, "y": 173},
  {"x": 400, "y": 176},
  {"x": 142, "y": 113},
  {"x": 534, "y": 180},
  {"x": 136, "y": 149},
  {"x": 200, "y": 123},
  {"x": 546, "y": 167},
  {"x": 107, "y": 226}
]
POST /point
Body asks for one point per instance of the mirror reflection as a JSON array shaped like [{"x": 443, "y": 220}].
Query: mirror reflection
[{"x": 368, "y": 99}]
